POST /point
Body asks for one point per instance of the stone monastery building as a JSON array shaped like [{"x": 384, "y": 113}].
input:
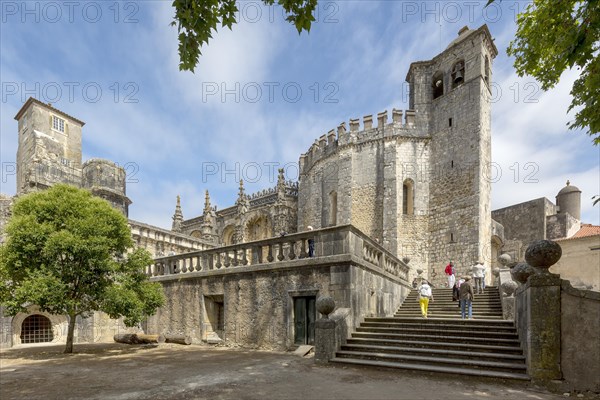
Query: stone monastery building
[{"x": 386, "y": 196}]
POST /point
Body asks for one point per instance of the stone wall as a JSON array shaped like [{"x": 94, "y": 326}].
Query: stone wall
[
  {"x": 580, "y": 262},
  {"x": 231, "y": 295},
  {"x": 526, "y": 221},
  {"x": 558, "y": 328},
  {"x": 5, "y": 213},
  {"x": 98, "y": 327},
  {"x": 258, "y": 306},
  {"x": 560, "y": 226},
  {"x": 580, "y": 346}
]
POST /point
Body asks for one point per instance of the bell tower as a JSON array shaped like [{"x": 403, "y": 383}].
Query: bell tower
[{"x": 451, "y": 96}]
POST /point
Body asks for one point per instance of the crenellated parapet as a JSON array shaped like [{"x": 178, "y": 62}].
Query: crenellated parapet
[{"x": 402, "y": 124}]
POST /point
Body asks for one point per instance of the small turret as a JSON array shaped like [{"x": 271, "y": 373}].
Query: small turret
[{"x": 568, "y": 201}]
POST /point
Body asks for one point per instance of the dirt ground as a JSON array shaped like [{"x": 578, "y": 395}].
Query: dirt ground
[{"x": 168, "y": 371}]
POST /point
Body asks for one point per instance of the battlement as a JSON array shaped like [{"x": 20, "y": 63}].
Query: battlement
[{"x": 402, "y": 124}]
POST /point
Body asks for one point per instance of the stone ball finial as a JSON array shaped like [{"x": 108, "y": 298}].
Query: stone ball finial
[
  {"x": 509, "y": 288},
  {"x": 505, "y": 259},
  {"x": 419, "y": 271},
  {"x": 521, "y": 272},
  {"x": 325, "y": 305},
  {"x": 496, "y": 272},
  {"x": 543, "y": 254}
]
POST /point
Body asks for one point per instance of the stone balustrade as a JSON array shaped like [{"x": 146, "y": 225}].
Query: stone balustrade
[{"x": 343, "y": 240}]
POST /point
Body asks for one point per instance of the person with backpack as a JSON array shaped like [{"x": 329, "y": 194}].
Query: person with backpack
[
  {"x": 466, "y": 298},
  {"x": 450, "y": 271},
  {"x": 425, "y": 294}
]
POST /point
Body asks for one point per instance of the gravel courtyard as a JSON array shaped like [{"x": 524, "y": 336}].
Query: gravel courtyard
[{"x": 168, "y": 371}]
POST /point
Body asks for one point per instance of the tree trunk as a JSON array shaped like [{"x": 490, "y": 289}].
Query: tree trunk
[
  {"x": 179, "y": 339},
  {"x": 70, "y": 333},
  {"x": 138, "y": 338}
]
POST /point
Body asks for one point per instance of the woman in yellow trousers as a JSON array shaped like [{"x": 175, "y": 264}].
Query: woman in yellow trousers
[{"x": 425, "y": 295}]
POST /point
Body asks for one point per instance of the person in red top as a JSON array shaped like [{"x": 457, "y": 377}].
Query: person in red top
[{"x": 450, "y": 271}]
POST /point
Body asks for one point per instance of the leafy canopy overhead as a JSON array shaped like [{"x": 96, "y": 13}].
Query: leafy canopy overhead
[
  {"x": 67, "y": 252},
  {"x": 552, "y": 36},
  {"x": 196, "y": 20},
  {"x": 556, "y": 35}
]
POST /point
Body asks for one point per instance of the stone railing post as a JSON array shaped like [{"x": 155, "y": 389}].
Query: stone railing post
[
  {"x": 325, "y": 338},
  {"x": 506, "y": 287},
  {"x": 538, "y": 309}
]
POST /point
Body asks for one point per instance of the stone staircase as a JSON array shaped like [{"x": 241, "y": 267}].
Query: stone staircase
[{"x": 485, "y": 346}]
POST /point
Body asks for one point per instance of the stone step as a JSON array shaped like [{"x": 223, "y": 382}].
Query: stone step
[
  {"x": 448, "y": 314},
  {"x": 433, "y": 321},
  {"x": 453, "y": 306},
  {"x": 434, "y": 368},
  {"x": 415, "y": 342},
  {"x": 438, "y": 361},
  {"x": 392, "y": 324},
  {"x": 491, "y": 356},
  {"x": 484, "y": 346},
  {"x": 435, "y": 338},
  {"x": 436, "y": 298},
  {"x": 441, "y": 331}
]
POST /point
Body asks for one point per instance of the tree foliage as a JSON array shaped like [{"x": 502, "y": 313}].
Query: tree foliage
[
  {"x": 67, "y": 252},
  {"x": 196, "y": 20},
  {"x": 556, "y": 35}
]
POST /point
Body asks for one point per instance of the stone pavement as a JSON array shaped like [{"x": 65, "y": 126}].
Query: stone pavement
[{"x": 168, "y": 371}]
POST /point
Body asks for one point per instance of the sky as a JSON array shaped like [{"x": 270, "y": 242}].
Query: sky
[{"x": 262, "y": 94}]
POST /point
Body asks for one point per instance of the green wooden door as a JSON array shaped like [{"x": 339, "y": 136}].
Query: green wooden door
[{"x": 304, "y": 320}]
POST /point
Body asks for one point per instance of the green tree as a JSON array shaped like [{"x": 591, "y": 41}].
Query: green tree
[
  {"x": 196, "y": 20},
  {"x": 67, "y": 252},
  {"x": 556, "y": 35}
]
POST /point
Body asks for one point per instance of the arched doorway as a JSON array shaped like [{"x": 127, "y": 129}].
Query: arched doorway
[{"x": 36, "y": 329}]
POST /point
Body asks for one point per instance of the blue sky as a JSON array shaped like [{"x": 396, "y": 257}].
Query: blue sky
[{"x": 262, "y": 94}]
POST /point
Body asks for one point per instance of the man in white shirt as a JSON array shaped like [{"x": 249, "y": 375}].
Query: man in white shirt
[{"x": 478, "y": 269}]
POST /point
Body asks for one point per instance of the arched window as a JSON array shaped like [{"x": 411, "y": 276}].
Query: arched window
[
  {"x": 196, "y": 234},
  {"x": 333, "y": 208},
  {"x": 36, "y": 329},
  {"x": 458, "y": 73},
  {"x": 487, "y": 70},
  {"x": 258, "y": 228},
  {"x": 228, "y": 235},
  {"x": 438, "y": 84},
  {"x": 408, "y": 195}
]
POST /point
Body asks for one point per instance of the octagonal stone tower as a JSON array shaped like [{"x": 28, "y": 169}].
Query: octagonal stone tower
[{"x": 420, "y": 184}]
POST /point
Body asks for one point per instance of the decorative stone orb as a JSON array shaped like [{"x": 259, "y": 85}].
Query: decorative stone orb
[
  {"x": 496, "y": 272},
  {"x": 405, "y": 260},
  {"x": 543, "y": 254},
  {"x": 521, "y": 272},
  {"x": 509, "y": 288},
  {"x": 419, "y": 271},
  {"x": 505, "y": 259},
  {"x": 325, "y": 305}
]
